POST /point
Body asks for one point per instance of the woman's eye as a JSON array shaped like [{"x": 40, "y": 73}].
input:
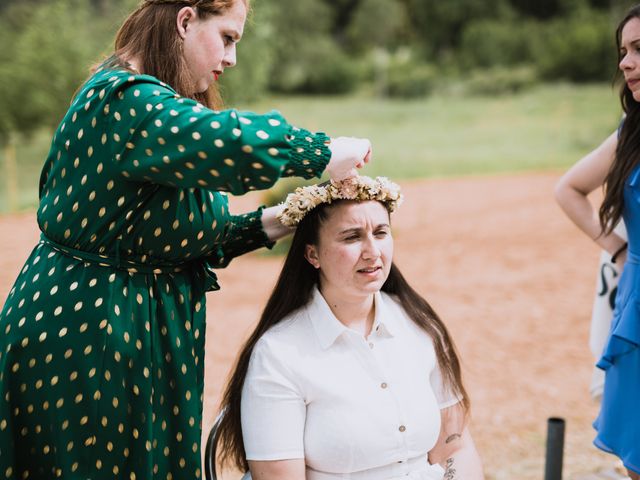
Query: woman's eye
[
  {"x": 228, "y": 40},
  {"x": 382, "y": 233}
]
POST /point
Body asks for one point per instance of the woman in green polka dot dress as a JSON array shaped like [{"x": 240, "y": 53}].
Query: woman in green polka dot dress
[{"x": 102, "y": 336}]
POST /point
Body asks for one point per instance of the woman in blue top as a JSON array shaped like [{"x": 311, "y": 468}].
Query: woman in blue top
[{"x": 616, "y": 165}]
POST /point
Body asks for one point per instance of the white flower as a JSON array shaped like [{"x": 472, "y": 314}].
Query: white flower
[{"x": 359, "y": 188}]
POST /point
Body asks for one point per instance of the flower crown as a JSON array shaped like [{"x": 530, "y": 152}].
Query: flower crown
[{"x": 359, "y": 188}]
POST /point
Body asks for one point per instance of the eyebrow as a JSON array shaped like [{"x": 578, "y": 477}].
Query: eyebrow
[
  {"x": 633, "y": 43},
  {"x": 357, "y": 229}
]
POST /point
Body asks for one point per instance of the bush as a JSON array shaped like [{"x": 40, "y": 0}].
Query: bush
[
  {"x": 500, "y": 80},
  {"x": 580, "y": 49},
  {"x": 400, "y": 75},
  {"x": 248, "y": 80},
  {"x": 489, "y": 43},
  {"x": 320, "y": 67},
  {"x": 414, "y": 80}
]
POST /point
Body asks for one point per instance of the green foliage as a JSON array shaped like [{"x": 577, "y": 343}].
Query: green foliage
[
  {"x": 328, "y": 70},
  {"x": 315, "y": 46},
  {"x": 439, "y": 24},
  {"x": 579, "y": 48},
  {"x": 53, "y": 45},
  {"x": 500, "y": 80},
  {"x": 409, "y": 78},
  {"x": 301, "y": 29},
  {"x": 487, "y": 43},
  {"x": 248, "y": 80},
  {"x": 319, "y": 67},
  {"x": 378, "y": 23}
]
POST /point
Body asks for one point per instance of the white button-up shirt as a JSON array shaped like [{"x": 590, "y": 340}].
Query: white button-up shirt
[{"x": 352, "y": 407}]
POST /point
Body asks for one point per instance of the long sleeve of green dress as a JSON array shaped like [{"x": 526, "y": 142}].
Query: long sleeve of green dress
[{"x": 162, "y": 138}]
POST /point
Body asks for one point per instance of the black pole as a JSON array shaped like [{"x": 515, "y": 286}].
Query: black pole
[{"x": 555, "y": 449}]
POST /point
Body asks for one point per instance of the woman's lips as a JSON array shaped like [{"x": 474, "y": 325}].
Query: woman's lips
[
  {"x": 370, "y": 270},
  {"x": 632, "y": 82}
]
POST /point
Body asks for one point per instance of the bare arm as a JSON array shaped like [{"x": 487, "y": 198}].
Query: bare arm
[
  {"x": 455, "y": 450},
  {"x": 272, "y": 226},
  {"x": 277, "y": 469},
  {"x": 582, "y": 179}
]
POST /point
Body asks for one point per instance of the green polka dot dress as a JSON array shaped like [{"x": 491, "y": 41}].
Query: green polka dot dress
[{"x": 102, "y": 335}]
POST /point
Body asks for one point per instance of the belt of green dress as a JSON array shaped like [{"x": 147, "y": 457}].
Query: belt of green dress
[{"x": 136, "y": 265}]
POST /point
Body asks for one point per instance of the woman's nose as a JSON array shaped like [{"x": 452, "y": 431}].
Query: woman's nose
[
  {"x": 370, "y": 249},
  {"x": 626, "y": 62},
  {"x": 229, "y": 59}
]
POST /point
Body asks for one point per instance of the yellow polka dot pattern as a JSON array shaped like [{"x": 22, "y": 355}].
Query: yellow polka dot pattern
[{"x": 102, "y": 335}]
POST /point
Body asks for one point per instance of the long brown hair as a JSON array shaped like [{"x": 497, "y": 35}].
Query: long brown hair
[
  {"x": 628, "y": 149},
  {"x": 293, "y": 290},
  {"x": 150, "y": 34}
]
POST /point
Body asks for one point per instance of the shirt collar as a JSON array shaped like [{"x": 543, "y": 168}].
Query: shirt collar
[
  {"x": 328, "y": 328},
  {"x": 385, "y": 320}
]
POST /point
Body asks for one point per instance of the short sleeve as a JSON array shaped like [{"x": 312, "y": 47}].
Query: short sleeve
[
  {"x": 273, "y": 409},
  {"x": 444, "y": 396}
]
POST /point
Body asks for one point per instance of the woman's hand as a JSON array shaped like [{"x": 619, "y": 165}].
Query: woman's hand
[
  {"x": 272, "y": 226},
  {"x": 347, "y": 154}
]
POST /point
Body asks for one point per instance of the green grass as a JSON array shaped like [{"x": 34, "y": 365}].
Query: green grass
[{"x": 547, "y": 127}]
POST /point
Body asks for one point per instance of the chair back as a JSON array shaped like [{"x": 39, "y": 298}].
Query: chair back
[{"x": 210, "y": 452}]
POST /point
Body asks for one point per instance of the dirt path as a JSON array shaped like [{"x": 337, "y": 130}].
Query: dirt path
[{"x": 503, "y": 267}]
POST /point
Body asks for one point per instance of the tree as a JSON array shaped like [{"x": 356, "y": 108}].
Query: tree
[
  {"x": 52, "y": 46},
  {"x": 249, "y": 79},
  {"x": 306, "y": 57},
  {"x": 378, "y": 23},
  {"x": 439, "y": 24}
]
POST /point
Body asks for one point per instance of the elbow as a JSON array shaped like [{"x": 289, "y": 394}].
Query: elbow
[{"x": 565, "y": 193}]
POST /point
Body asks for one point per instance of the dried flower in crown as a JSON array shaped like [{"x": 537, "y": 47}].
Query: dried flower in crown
[{"x": 359, "y": 188}]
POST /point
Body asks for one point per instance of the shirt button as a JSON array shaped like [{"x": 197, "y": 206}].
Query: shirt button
[
  {"x": 402, "y": 428},
  {"x": 383, "y": 385}
]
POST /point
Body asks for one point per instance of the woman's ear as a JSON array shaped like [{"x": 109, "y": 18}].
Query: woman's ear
[
  {"x": 311, "y": 254},
  {"x": 185, "y": 15}
]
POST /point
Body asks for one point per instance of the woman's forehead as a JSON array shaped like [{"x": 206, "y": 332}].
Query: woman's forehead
[
  {"x": 631, "y": 31},
  {"x": 351, "y": 212}
]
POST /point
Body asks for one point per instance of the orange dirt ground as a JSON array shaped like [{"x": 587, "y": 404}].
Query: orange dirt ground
[{"x": 509, "y": 274}]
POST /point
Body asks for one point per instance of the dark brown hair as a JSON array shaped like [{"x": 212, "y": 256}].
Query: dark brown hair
[
  {"x": 150, "y": 34},
  {"x": 293, "y": 290},
  {"x": 628, "y": 149}
]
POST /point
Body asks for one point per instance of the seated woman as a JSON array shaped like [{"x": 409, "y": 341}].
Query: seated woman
[{"x": 349, "y": 373}]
